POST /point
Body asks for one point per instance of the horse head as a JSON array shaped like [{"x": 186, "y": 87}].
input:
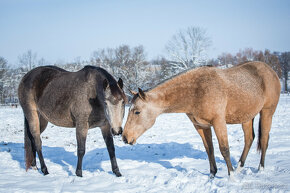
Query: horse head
[
  {"x": 142, "y": 115},
  {"x": 114, "y": 105}
]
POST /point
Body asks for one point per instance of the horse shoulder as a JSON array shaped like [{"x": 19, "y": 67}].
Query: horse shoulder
[{"x": 209, "y": 96}]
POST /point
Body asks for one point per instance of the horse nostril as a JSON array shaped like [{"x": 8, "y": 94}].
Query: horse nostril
[
  {"x": 120, "y": 130},
  {"x": 113, "y": 131},
  {"x": 131, "y": 142},
  {"x": 125, "y": 139}
]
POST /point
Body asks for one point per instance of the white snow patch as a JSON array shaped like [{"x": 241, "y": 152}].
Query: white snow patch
[{"x": 169, "y": 157}]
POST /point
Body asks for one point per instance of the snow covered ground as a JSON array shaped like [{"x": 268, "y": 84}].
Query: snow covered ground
[{"x": 170, "y": 157}]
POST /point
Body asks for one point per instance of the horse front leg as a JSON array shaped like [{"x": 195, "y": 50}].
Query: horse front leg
[
  {"x": 81, "y": 135},
  {"x": 111, "y": 148},
  {"x": 206, "y": 136}
]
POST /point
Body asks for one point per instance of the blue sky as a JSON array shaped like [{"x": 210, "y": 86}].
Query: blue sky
[{"x": 66, "y": 29}]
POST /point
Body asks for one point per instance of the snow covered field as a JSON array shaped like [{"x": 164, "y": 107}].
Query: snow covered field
[{"x": 170, "y": 157}]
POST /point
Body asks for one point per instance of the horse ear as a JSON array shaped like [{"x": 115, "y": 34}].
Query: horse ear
[
  {"x": 133, "y": 92},
  {"x": 105, "y": 84},
  {"x": 141, "y": 94},
  {"x": 120, "y": 83}
]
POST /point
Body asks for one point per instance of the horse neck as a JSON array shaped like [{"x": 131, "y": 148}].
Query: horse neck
[{"x": 171, "y": 95}]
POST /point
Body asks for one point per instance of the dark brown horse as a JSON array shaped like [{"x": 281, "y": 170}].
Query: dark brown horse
[
  {"x": 85, "y": 99},
  {"x": 212, "y": 97}
]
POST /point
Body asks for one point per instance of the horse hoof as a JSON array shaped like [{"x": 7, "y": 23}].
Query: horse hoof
[
  {"x": 44, "y": 171},
  {"x": 260, "y": 168},
  {"x": 239, "y": 168},
  {"x": 211, "y": 176},
  {"x": 79, "y": 173},
  {"x": 232, "y": 177},
  {"x": 117, "y": 173},
  {"x": 34, "y": 168}
]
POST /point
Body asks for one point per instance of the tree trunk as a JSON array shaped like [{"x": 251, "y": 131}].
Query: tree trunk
[{"x": 286, "y": 85}]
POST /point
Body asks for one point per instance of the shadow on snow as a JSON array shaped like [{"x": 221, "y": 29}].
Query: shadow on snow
[{"x": 151, "y": 153}]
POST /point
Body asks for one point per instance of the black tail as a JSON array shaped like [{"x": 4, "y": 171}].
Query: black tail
[
  {"x": 260, "y": 135},
  {"x": 28, "y": 145}
]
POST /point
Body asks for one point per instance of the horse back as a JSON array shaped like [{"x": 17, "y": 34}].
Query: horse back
[
  {"x": 35, "y": 81},
  {"x": 250, "y": 87},
  {"x": 238, "y": 93},
  {"x": 62, "y": 97},
  {"x": 256, "y": 78}
]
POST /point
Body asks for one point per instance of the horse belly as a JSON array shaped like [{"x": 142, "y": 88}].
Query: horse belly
[
  {"x": 240, "y": 117},
  {"x": 59, "y": 115},
  {"x": 59, "y": 119},
  {"x": 243, "y": 110}
]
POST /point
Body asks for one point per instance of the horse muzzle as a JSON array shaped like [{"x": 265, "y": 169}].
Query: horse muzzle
[
  {"x": 119, "y": 131},
  {"x": 131, "y": 142}
]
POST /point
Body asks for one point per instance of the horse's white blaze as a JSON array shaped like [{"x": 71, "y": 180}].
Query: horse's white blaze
[
  {"x": 115, "y": 114},
  {"x": 131, "y": 107}
]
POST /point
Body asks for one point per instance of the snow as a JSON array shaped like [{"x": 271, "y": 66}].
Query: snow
[{"x": 169, "y": 157}]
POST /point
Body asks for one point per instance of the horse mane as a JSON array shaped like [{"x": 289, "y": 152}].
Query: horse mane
[
  {"x": 168, "y": 79},
  {"x": 115, "y": 89},
  {"x": 178, "y": 74},
  {"x": 55, "y": 67},
  {"x": 107, "y": 75}
]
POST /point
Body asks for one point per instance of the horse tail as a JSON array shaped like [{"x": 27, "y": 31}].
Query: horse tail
[
  {"x": 260, "y": 135},
  {"x": 28, "y": 148}
]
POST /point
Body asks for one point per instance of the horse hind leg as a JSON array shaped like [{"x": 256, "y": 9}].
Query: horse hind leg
[
  {"x": 33, "y": 123},
  {"x": 249, "y": 136},
  {"x": 32, "y": 148},
  {"x": 29, "y": 146},
  {"x": 81, "y": 135},
  {"x": 264, "y": 129},
  {"x": 43, "y": 123},
  {"x": 220, "y": 128}
]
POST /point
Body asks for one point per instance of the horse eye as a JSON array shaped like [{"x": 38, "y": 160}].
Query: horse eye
[{"x": 137, "y": 112}]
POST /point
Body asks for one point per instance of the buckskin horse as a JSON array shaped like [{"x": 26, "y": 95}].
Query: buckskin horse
[
  {"x": 85, "y": 99},
  {"x": 212, "y": 97}
]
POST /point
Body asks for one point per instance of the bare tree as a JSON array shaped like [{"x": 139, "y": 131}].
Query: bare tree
[
  {"x": 28, "y": 60},
  {"x": 74, "y": 66},
  {"x": 285, "y": 67},
  {"x": 245, "y": 55},
  {"x": 164, "y": 70},
  {"x": 188, "y": 48},
  {"x": 273, "y": 61},
  {"x": 3, "y": 73},
  {"x": 124, "y": 62},
  {"x": 104, "y": 58},
  {"x": 213, "y": 62},
  {"x": 131, "y": 65},
  {"x": 226, "y": 59},
  {"x": 42, "y": 62},
  {"x": 248, "y": 54},
  {"x": 3, "y": 66}
]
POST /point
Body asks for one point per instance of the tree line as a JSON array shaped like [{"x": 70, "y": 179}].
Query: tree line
[{"x": 187, "y": 49}]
